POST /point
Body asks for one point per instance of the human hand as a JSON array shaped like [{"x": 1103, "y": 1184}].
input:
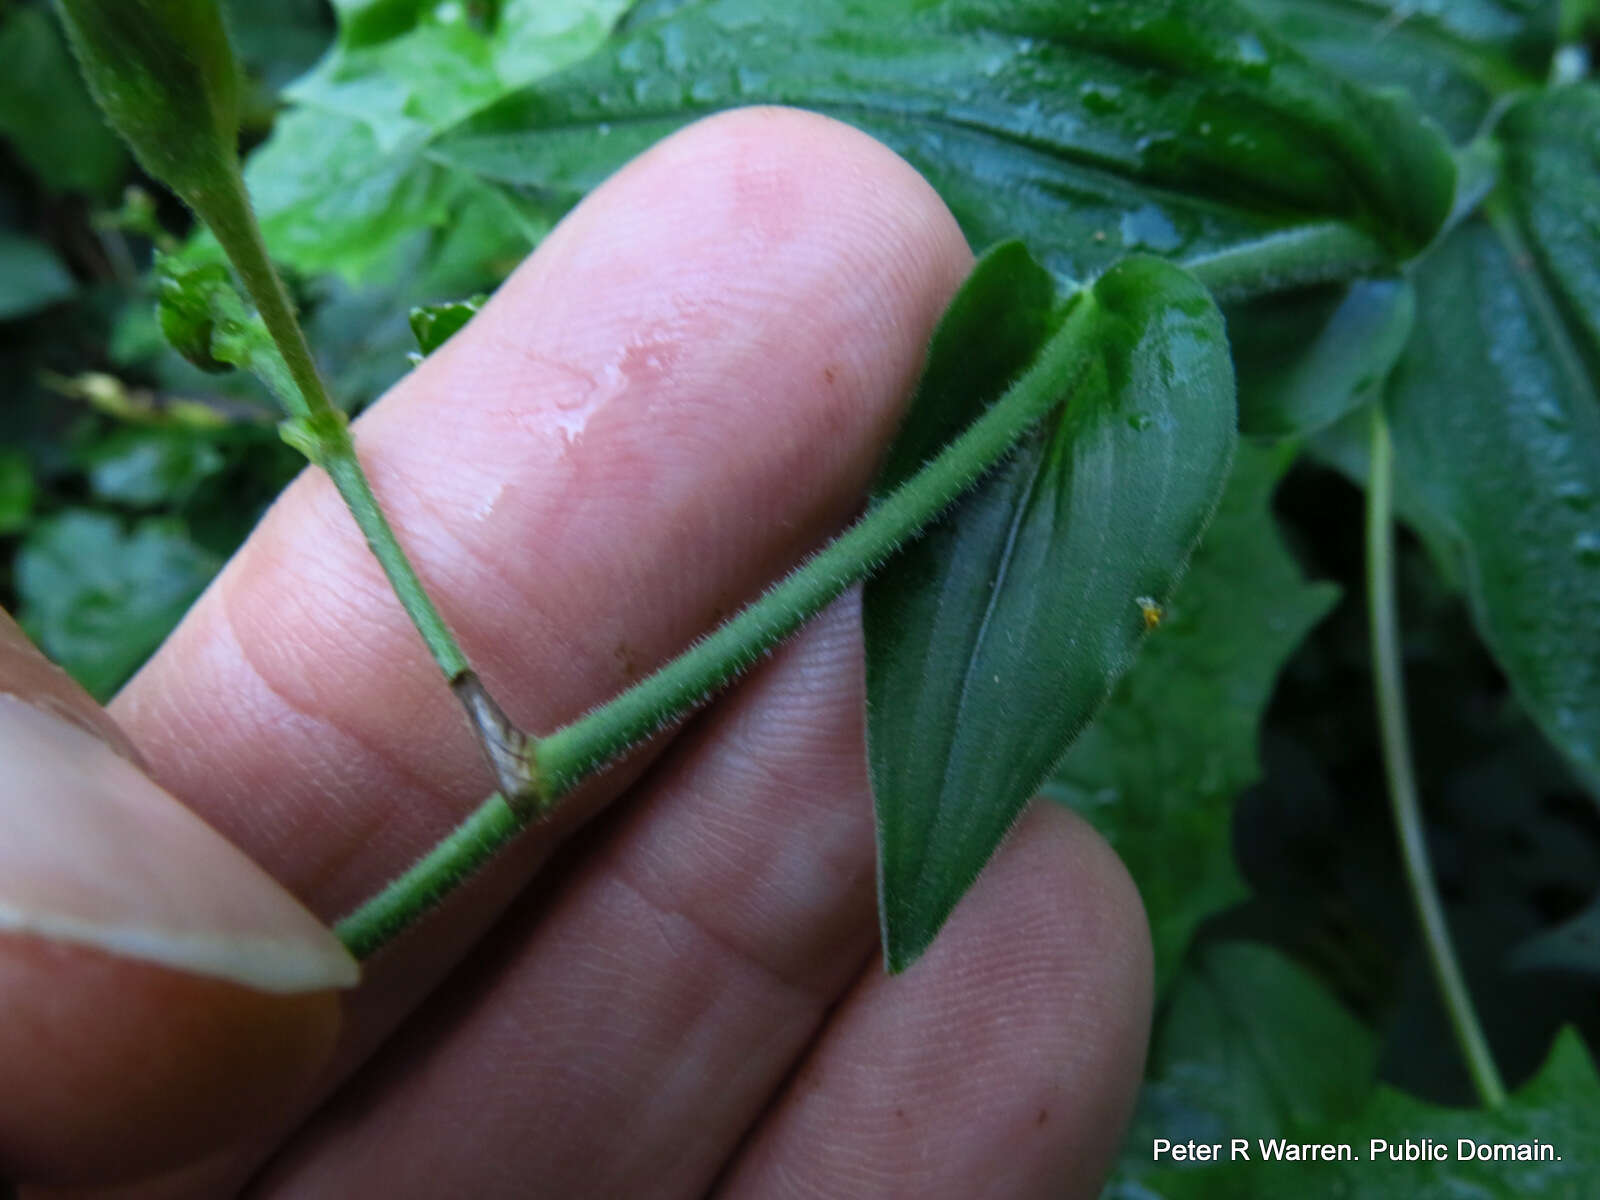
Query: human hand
[{"x": 681, "y": 393}]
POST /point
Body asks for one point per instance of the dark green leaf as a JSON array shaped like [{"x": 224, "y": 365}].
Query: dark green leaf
[
  {"x": 1552, "y": 172},
  {"x": 98, "y": 599},
  {"x": 1087, "y": 129},
  {"x": 277, "y": 41},
  {"x": 1158, "y": 769},
  {"x": 1306, "y": 358},
  {"x": 993, "y": 639},
  {"x": 1553, "y": 1114},
  {"x": 1580, "y": 20},
  {"x": 164, "y": 75},
  {"x": 1454, "y": 58},
  {"x": 31, "y": 277},
  {"x": 1496, "y": 418},
  {"x": 46, "y": 114}
]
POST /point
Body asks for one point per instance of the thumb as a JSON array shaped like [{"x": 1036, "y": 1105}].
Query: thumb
[{"x": 158, "y": 991}]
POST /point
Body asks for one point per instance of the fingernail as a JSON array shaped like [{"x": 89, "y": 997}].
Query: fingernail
[{"x": 93, "y": 853}]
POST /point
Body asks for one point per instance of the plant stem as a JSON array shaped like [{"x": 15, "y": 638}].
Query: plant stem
[
  {"x": 568, "y": 756},
  {"x": 466, "y": 848},
  {"x": 319, "y": 429},
  {"x": 1397, "y": 767},
  {"x": 1311, "y": 254},
  {"x": 226, "y": 209}
]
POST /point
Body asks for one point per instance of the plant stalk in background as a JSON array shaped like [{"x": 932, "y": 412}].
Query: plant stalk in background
[{"x": 1391, "y": 701}]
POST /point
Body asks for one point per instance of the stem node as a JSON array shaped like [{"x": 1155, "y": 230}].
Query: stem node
[
  {"x": 510, "y": 753},
  {"x": 322, "y": 435}
]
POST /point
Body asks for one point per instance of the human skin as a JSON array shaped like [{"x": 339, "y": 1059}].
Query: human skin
[{"x": 682, "y": 392}]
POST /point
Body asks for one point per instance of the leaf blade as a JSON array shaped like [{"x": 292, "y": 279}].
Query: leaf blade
[
  {"x": 1158, "y": 770},
  {"x": 1495, "y": 407},
  {"x": 1027, "y": 597}
]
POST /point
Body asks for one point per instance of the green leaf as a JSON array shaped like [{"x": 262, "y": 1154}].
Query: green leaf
[
  {"x": 407, "y": 68},
  {"x": 1496, "y": 417},
  {"x": 164, "y": 74},
  {"x": 340, "y": 185},
  {"x": 435, "y": 324},
  {"x": 277, "y": 41},
  {"x": 147, "y": 467},
  {"x": 1249, "y": 1044},
  {"x": 98, "y": 599},
  {"x": 331, "y": 198},
  {"x": 183, "y": 309},
  {"x": 206, "y": 320},
  {"x": 1551, "y": 1115},
  {"x": 1158, "y": 769},
  {"x": 1086, "y": 129},
  {"x": 46, "y": 114},
  {"x": 1307, "y": 358},
  {"x": 993, "y": 639},
  {"x": 1552, "y": 169},
  {"x": 1455, "y": 59},
  {"x": 31, "y": 277}
]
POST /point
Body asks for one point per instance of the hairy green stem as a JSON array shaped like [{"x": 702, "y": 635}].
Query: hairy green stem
[
  {"x": 1397, "y": 767},
  {"x": 431, "y": 878},
  {"x": 1326, "y": 252},
  {"x": 567, "y": 756},
  {"x": 571, "y": 754}
]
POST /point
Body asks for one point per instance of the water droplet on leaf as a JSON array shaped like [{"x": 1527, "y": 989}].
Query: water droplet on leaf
[
  {"x": 1252, "y": 55},
  {"x": 1149, "y": 227}
]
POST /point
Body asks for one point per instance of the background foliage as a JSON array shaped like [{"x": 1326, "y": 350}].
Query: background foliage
[{"x": 408, "y": 152}]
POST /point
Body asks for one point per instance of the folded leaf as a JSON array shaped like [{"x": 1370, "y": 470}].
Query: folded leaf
[
  {"x": 993, "y": 639},
  {"x": 1088, "y": 129}
]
